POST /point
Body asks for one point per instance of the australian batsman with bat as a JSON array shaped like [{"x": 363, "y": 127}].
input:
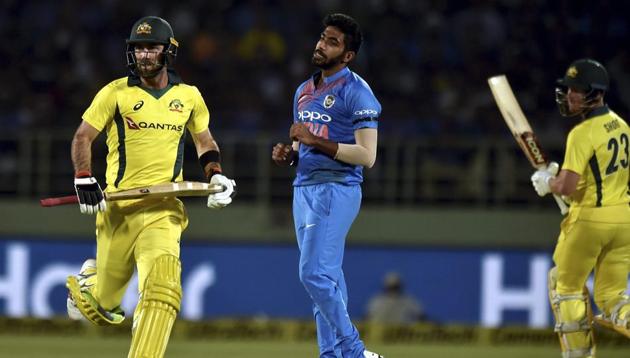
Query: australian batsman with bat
[
  {"x": 595, "y": 235},
  {"x": 145, "y": 116}
]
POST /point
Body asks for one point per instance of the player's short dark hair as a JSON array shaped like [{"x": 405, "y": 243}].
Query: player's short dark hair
[{"x": 349, "y": 27}]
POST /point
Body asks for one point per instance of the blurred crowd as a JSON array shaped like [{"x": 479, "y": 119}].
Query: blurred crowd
[{"x": 427, "y": 61}]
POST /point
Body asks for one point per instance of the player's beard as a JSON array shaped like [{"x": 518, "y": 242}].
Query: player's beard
[
  {"x": 324, "y": 62},
  {"x": 148, "y": 68}
]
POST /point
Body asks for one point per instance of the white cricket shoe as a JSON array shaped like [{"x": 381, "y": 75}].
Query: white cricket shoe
[
  {"x": 86, "y": 277},
  {"x": 368, "y": 354}
]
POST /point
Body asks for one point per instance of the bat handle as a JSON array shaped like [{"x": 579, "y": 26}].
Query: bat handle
[
  {"x": 62, "y": 200},
  {"x": 564, "y": 209}
]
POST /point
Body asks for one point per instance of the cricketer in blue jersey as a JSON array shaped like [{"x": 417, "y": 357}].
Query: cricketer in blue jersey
[{"x": 334, "y": 136}]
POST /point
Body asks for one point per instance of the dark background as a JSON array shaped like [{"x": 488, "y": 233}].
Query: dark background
[{"x": 426, "y": 61}]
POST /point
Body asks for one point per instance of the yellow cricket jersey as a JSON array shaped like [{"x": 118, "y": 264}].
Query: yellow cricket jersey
[
  {"x": 146, "y": 130},
  {"x": 597, "y": 150}
]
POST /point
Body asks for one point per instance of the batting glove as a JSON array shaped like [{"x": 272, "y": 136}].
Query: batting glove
[
  {"x": 89, "y": 193},
  {"x": 222, "y": 199},
  {"x": 541, "y": 178}
]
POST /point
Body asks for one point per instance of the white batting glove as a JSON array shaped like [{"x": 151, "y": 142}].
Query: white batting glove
[
  {"x": 541, "y": 178},
  {"x": 222, "y": 199}
]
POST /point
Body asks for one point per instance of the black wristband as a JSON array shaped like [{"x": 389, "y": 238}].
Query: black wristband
[{"x": 211, "y": 156}]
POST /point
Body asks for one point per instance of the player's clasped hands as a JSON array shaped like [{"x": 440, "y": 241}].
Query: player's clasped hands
[
  {"x": 89, "y": 193},
  {"x": 540, "y": 179},
  {"x": 282, "y": 154},
  {"x": 299, "y": 132},
  {"x": 222, "y": 199}
]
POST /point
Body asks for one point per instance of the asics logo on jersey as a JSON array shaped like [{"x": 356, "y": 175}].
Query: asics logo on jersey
[
  {"x": 138, "y": 105},
  {"x": 305, "y": 116},
  {"x": 366, "y": 112}
]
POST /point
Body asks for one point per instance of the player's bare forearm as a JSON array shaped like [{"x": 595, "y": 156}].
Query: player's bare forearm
[
  {"x": 299, "y": 132},
  {"x": 363, "y": 152},
  {"x": 205, "y": 143},
  {"x": 326, "y": 146},
  {"x": 81, "y": 149},
  {"x": 81, "y": 155},
  {"x": 565, "y": 183}
]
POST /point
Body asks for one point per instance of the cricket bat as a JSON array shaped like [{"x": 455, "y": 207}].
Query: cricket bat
[
  {"x": 184, "y": 188},
  {"x": 520, "y": 128}
]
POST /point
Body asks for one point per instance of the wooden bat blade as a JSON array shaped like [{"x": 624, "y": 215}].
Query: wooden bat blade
[
  {"x": 519, "y": 126},
  {"x": 185, "y": 188},
  {"x": 508, "y": 105},
  {"x": 517, "y": 122}
]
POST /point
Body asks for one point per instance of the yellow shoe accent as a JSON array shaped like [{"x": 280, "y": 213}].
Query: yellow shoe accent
[{"x": 89, "y": 308}]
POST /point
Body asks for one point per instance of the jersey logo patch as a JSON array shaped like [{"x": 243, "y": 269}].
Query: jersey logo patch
[
  {"x": 329, "y": 101},
  {"x": 138, "y": 105},
  {"x": 131, "y": 124},
  {"x": 176, "y": 106}
]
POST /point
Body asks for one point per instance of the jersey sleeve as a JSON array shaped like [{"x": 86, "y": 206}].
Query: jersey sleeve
[
  {"x": 102, "y": 109},
  {"x": 364, "y": 107},
  {"x": 579, "y": 151},
  {"x": 200, "y": 115}
]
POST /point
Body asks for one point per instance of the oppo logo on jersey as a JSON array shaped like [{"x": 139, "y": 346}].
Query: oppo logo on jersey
[
  {"x": 366, "y": 112},
  {"x": 310, "y": 116},
  {"x": 166, "y": 126}
]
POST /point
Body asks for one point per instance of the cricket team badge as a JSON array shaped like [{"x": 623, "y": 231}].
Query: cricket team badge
[
  {"x": 176, "y": 106},
  {"x": 329, "y": 101},
  {"x": 143, "y": 28}
]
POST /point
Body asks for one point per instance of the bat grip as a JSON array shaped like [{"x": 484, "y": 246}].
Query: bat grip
[
  {"x": 564, "y": 209},
  {"x": 62, "y": 200}
]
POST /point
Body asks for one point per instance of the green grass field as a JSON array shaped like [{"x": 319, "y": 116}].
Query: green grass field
[{"x": 34, "y": 346}]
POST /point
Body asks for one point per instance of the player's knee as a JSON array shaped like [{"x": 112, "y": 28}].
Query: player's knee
[
  {"x": 163, "y": 283},
  {"x": 318, "y": 285},
  {"x": 571, "y": 312}
]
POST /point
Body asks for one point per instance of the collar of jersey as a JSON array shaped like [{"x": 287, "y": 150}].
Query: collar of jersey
[
  {"x": 336, "y": 76},
  {"x": 173, "y": 78},
  {"x": 598, "y": 112}
]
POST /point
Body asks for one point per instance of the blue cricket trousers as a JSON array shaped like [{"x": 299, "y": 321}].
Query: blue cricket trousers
[{"x": 323, "y": 214}]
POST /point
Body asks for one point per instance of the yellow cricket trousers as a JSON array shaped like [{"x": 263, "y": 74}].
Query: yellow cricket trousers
[
  {"x": 599, "y": 239},
  {"x": 134, "y": 233}
]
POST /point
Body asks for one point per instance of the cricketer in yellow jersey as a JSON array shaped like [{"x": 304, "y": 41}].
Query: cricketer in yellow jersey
[
  {"x": 595, "y": 235},
  {"x": 145, "y": 116}
]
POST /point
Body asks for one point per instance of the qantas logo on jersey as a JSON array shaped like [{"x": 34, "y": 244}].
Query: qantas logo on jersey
[
  {"x": 309, "y": 116},
  {"x": 164, "y": 126},
  {"x": 148, "y": 125},
  {"x": 131, "y": 124}
]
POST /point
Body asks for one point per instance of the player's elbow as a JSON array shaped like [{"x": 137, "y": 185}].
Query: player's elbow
[{"x": 369, "y": 163}]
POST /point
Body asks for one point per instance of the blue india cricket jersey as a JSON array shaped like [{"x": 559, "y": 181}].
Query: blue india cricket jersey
[{"x": 342, "y": 104}]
